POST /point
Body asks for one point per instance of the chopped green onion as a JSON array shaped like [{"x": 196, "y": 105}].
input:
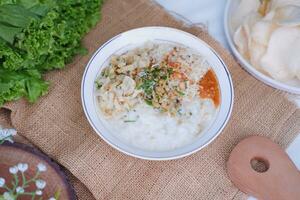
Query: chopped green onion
[
  {"x": 180, "y": 93},
  {"x": 98, "y": 85},
  {"x": 148, "y": 102},
  {"x": 128, "y": 121}
]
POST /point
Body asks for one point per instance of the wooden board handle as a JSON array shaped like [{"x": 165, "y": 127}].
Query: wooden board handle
[{"x": 259, "y": 167}]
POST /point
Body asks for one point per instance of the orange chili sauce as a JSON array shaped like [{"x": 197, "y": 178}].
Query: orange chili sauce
[{"x": 209, "y": 87}]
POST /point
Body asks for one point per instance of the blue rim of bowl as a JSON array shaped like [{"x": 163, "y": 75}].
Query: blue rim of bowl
[
  {"x": 112, "y": 144},
  {"x": 247, "y": 66}
]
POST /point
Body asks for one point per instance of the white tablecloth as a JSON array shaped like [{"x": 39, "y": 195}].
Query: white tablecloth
[{"x": 207, "y": 12}]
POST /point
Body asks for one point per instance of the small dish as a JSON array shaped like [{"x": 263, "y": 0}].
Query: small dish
[
  {"x": 24, "y": 166},
  {"x": 231, "y": 6},
  {"x": 131, "y": 39}
]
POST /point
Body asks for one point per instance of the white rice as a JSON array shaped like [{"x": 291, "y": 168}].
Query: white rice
[
  {"x": 146, "y": 128},
  {"x": 156, "y": 132}
]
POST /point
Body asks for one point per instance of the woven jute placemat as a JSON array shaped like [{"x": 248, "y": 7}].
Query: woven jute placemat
[{"x": 57, "y": 125}]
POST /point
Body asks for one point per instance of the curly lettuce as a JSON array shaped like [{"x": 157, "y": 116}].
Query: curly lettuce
[{"x": 37, "y": 36}]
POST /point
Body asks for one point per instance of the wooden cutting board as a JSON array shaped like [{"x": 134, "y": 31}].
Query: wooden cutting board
[
  {"x": 56, "y": 182},
  {"x": 260, "y": 168}
]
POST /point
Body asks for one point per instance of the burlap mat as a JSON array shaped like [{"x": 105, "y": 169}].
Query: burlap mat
[{"x": 57, "y": 125}]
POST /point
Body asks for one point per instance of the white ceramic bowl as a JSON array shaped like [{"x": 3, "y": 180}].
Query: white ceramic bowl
[
  {"x": 230, "y": 8},
  {"x": 130, "y": 39}
]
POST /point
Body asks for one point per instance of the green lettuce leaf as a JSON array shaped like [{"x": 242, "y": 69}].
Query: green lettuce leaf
[
  {"x": 48, "y": 40},
  {"x": 14, "y": 85},
  {"x": 8, "y": 33},
  {"x": 16, "y": 15}
]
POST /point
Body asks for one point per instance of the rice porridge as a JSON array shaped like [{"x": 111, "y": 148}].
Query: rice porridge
[{"x": 157, "y": 97}]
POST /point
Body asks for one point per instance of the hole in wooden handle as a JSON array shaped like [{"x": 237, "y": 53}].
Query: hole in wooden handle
[{"x": 260, "y": 165}]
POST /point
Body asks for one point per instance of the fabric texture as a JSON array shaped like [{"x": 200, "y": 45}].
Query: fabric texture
[{"x": 56, "y": 124}]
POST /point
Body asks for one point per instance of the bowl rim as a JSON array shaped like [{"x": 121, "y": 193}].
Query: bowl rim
[
  {"x": 246, "y": 65},
  {"x": 112, "y": 144}
]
